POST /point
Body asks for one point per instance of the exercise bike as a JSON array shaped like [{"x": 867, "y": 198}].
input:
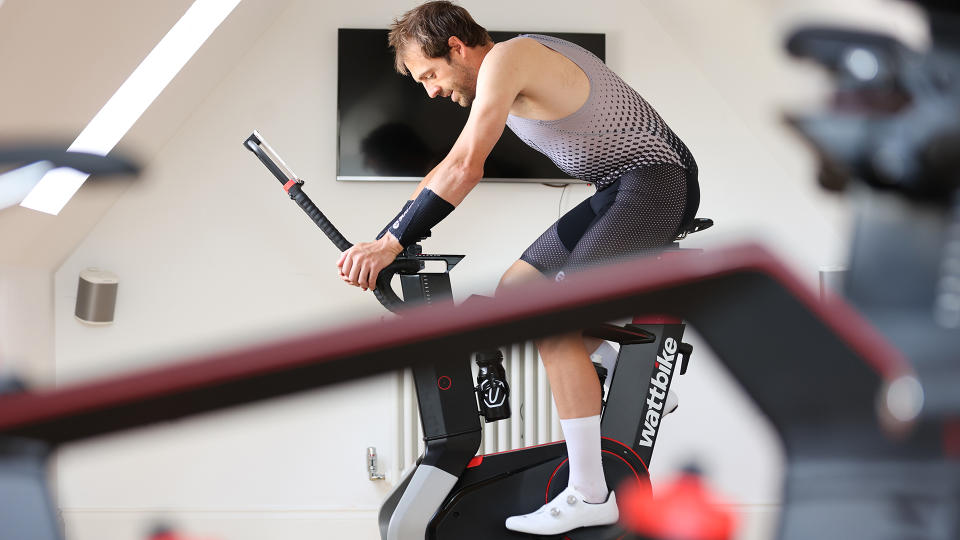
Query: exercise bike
[{"x": 454, "y": 493}]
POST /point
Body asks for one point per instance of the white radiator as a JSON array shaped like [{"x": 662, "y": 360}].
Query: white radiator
[{"x": 533, "y": 418}]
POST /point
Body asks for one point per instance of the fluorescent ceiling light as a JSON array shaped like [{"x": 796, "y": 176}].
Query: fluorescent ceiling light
[{"x": 132, "y": 98}]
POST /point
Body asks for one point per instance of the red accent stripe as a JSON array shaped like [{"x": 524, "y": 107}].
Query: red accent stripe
[
  {"x": 288, "y": 185},
  {"x": 656, "y": 319},
  {"x": 524, "y": 448},
  {"x": 630, "y": 448},
  {"x": 477, "y": 460},
  {"x": 546, "y": 495},
  {"x": 562, "y": 441}
]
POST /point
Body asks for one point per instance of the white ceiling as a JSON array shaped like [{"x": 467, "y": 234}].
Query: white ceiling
[{"x": 59, "y": 63}]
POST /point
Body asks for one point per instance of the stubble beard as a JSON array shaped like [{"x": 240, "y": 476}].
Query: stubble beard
[{"x": 466, "y": 87}]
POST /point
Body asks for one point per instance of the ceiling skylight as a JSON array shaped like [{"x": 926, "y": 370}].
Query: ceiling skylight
[{"x": 132, "y": 98}]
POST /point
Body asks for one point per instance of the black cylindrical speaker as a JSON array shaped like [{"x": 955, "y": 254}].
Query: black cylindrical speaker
[{"x": 96, "y": 296}]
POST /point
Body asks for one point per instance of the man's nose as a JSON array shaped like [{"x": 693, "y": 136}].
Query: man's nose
[{"x": 432, "y": 91}]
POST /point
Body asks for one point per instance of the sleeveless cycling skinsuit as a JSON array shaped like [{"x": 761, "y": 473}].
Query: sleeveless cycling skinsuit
[{"x": 646, "y": 178}]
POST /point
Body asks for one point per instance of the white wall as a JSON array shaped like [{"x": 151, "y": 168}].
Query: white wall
[
  {"x": 26, "y": 323},
  {"x": 210, "y": 255}
]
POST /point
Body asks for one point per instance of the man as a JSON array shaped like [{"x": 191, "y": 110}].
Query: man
[{"x": 564, "y": 102}]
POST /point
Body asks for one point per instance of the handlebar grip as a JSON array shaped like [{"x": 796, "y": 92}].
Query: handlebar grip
[
  {"x": 302, "y": 200},
  {"x": 384, "y": 293}
]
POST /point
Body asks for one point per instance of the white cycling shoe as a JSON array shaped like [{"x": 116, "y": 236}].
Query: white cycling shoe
[{"x": 567, "y": 511}]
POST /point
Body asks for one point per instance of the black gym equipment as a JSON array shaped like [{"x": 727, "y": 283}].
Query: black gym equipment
[
  {"x": 13, "y": 190},
  {"x": 892, "y": 131},
  {"x": 86, "y": 162},
  {"x": 452, "y": 492}
]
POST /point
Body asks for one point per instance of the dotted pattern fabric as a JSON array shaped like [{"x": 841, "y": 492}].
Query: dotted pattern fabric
[
  {"x": 645, "y": 215},
  {"x": 615, "y": 130}
]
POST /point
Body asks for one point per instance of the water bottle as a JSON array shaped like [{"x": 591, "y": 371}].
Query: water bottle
[{"x": 493, "y": 393}]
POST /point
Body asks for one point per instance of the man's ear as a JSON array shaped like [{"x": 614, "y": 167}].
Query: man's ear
[{"x": 457, "y": 47}]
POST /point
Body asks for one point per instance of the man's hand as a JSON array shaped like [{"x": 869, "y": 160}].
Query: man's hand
[{"x": 360, "y": 265}]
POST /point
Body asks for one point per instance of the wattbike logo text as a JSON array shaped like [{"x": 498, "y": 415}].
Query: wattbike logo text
[{"x": 658, "y": 392}]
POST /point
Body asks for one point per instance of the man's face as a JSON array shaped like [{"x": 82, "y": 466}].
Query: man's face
[{"x": 446, "y": 77}]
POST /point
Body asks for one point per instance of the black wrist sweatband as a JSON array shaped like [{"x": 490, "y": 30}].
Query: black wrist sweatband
[
  {"x": 427, "y": 210},
  {"x": 383, "y": 231}
]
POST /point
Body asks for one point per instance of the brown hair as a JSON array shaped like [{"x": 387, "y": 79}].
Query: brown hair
[{"x": 430, "y": 26}]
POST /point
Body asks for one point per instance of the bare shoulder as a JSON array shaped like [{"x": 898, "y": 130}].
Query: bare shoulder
[
  {"x": 519, "y": 45},
  {"x": 517, "y": 53}
]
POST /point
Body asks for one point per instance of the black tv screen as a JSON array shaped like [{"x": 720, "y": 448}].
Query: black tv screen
[{"x": 389, "y": 129}]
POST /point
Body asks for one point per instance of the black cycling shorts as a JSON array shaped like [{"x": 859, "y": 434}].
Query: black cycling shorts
[{"x": 642, "y": 211}]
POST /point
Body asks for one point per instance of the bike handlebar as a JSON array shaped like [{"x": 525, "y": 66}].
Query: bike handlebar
[{"x": 404, "y": 264}]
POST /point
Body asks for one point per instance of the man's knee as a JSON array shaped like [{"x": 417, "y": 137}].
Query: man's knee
[
  {"x": 519, "y": 272},
  {"x": 552, "y": 347}
]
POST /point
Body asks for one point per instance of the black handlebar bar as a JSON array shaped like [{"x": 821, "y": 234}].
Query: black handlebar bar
[{"x": 404, "y": 264}]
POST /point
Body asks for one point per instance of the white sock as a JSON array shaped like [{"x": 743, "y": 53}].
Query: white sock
[{"x": 583, "y": 451}]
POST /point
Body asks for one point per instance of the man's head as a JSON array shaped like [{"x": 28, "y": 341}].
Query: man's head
[{"x": 441, "y": 46}]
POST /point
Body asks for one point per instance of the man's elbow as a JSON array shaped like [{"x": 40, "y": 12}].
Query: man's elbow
[{"x": 469, "y": 174}]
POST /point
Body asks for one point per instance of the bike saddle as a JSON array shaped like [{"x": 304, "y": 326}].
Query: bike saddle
[{"x": 696, "y": 225}]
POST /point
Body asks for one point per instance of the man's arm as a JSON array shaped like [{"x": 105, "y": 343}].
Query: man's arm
[
  {"x": 423, "y": 183},
  {"x": 462, "y": 168},
  {"x": 499, "y": 82}
]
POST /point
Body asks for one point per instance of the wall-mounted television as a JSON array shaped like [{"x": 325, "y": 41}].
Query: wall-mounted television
[{"x": 389, "y": 129}]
